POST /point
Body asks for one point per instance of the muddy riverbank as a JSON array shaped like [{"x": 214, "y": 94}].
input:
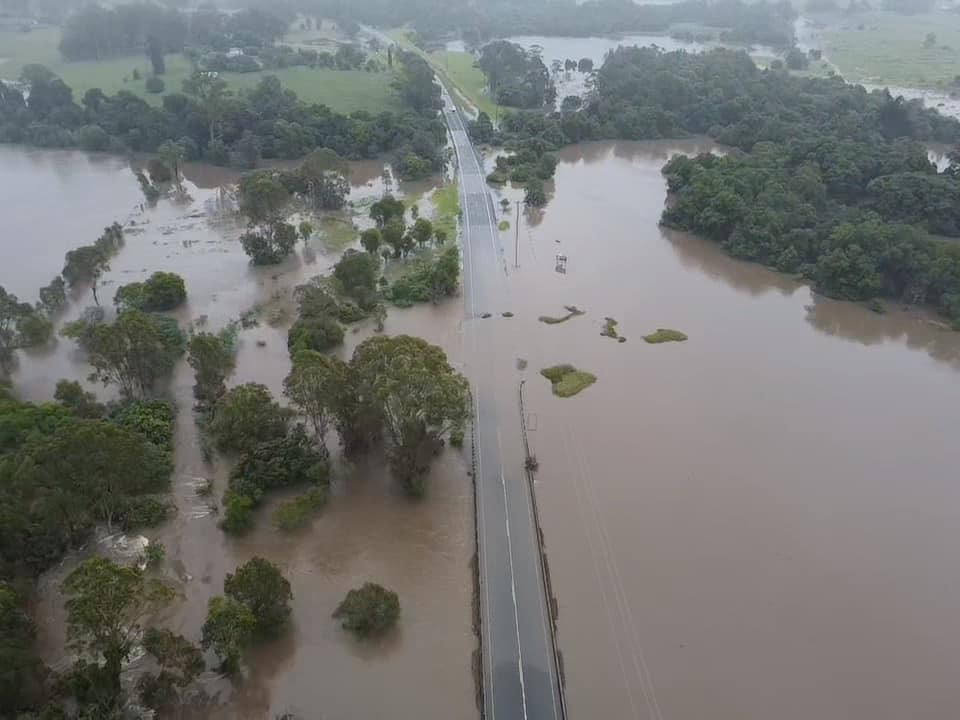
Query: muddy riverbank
[{"x": 369, "y": 531}]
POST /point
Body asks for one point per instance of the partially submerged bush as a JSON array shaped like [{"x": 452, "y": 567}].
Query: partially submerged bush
[
  {"x": 318, "y": 333},
  {"x": 572, "y": 311},
  {"x": 369, "y": 610},
  {"x": 159, "y": 292},
  {"x": 290, "y": 460},
  {"x": 245, "y": 416},
  {"x": 429, "y": 280},
  {"x": 293, "y": 514},
  {"x": 663, "y": 335},
  {"x": 566, "y": 380}
]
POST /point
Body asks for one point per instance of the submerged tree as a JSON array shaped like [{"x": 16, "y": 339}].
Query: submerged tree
[
  {"x": 245, "y": 416},
  {"x": 173, "y": 154},
  {"x": 93, "y": 466},
  {"x": 160, "y": 292},
  {"x": 212, "y": 359},
  {"x": 86, "y": 264},
  {"x": 369, "y": 610},
  {"x": 105, "y": 605},
  {"x": 317, "y": 385},
  {"x": 322, "y": 179},
  {"x": 259, "y": 585},
  {"x": 134, "y": 352},
  {"x": 21, "y": 326},
  {"x": 179, "y": 662},
  {"x": 229, "y": 629},
  {"x": 418, "y": 396}
]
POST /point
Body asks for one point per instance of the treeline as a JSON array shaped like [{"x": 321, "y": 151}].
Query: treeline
[
  {"x": 832, "y": 182},
  {"x": 835, "y": 212},
  {"x": 648, "y": 94},
  {"x": 762, "y": 22},
  {"x": 643, "y": 93},
  {"x": 95, "y": 32},
  {"x": 213, "y": 124},
  {"x": 515, "y": 76}
]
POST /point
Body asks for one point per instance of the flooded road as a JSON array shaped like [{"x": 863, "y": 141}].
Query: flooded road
[
  {"x": 369, "y": 531},
  {"x": 759, "y": 522}
]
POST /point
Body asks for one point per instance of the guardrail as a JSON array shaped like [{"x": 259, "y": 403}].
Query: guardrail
[{"x": 551, "y": 600}]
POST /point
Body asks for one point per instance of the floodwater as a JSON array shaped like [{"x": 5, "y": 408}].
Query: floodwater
[
  {"x": 55, "y": 201},
  {"x": 759, "y": 522}
]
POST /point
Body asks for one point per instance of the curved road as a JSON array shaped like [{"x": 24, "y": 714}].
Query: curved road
[{"x": 520, "y": 675}]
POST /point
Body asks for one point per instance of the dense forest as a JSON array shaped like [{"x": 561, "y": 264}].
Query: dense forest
[{"x": 215, "y": 125}]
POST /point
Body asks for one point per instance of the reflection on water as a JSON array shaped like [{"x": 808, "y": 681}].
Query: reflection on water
[
  {"x": 757, "y": 523},
  {"x": 61, "y": 198},
  {"x": 915, "y": 328},
  {"x": 369, "y": 531}
]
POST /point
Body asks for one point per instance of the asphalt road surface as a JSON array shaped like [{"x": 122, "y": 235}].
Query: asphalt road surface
[{"x": 520, "y": 679}]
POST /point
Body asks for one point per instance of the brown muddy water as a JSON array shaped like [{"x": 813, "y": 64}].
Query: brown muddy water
[
  {"x": 758, "y": 523},
  {"x": 54, "y": 201}
]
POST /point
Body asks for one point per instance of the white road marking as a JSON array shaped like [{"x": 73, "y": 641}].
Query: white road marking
[
  {"x": 513, "y": 582},
  {"x": 542, "y": 601}
]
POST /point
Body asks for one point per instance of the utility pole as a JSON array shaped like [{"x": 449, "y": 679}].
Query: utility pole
[{"x": 516, "y": 238}]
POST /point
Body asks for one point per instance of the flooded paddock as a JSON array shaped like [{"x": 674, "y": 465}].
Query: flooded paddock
[
  {"x": 369, "y": 531},
  {"x": 759, "y": 522}
]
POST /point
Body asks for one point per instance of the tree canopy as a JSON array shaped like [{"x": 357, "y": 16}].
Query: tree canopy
[
  {"x": 212, "y": 359},
  {"x": 211, "y": 123},
  {"x": 91, "y": 469},
  {"x": 516, "y": 77},
  {"x": 159, "y": 292},
  {"x": 259, "y": 585},
  {"x": 245, "y": 416},
  {"x": 105, "y": 604},
  {"x": 21, "y": 326},
  {"x": 418, "y": 397},
  {"x": 368, "y": 610},
  {"x": 134, "y": 352}
]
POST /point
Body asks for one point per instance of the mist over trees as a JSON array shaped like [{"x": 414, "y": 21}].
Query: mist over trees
[
  {"x": 762, "y": 23},
  {"x": 95, "y": 33}
]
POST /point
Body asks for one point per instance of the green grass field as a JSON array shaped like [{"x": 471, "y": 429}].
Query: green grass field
[
  {"x": 465, "y": 77},
  {"x": 343, "y": 91},
  {"x": 887, "y": 48},
  {"x": 446, "y": 209},
  {"x": 457, "y": 69}
]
